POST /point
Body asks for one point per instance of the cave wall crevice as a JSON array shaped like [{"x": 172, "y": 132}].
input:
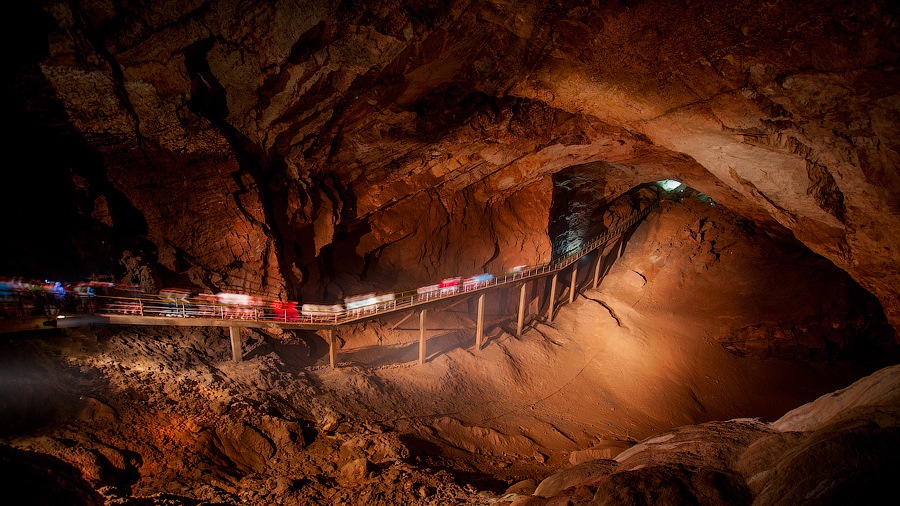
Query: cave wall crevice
[{"x": 312, "y": 117}]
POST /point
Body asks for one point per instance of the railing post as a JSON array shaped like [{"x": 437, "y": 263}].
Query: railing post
[
  {"x": 422, "y": 336},
  {"x": 552, "y": 297},
  {"x": 236, "y": 353},
  {"x": 597, "y": 268},
  {"x": 520, "y": 323},
  {"x": 479, "y": 330},
  {"x": 574, "y": 283},
  {"x": 332, "y": 348}
]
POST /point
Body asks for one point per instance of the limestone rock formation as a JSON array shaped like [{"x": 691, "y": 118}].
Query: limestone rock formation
[
  {"x": 811, "y": 455},
  {"x": 313, "y": 149},
  {"x": 321, "y": 147},
  {"x": 144, "y": 412},
  {"x": 35, "y": 478}
]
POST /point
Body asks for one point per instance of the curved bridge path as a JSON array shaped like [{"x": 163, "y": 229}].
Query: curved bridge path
[{"x": 142, "y": 311}]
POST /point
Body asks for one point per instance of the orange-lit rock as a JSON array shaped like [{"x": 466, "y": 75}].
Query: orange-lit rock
[
  {"x": 256, "y": 150},
  {"x": 311, "y": 150}
]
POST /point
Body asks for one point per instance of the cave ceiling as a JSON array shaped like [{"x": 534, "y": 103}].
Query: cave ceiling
[{"x": 279, "y": 146}]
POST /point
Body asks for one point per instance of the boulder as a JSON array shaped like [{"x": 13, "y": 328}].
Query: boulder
[{"x": 580, "y": 474}]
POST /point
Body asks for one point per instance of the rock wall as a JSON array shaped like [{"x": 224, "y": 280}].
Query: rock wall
[
  {"x": 809, "y": 455},
  {"x": 786, "y": 105},
  {"x": 262, "y": 142},
  {"x": 165, "y": 414}
]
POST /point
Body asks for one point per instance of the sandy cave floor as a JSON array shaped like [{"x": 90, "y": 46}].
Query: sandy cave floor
[
  {"x": 634, "y": 357},
  {"x": 637, "y": 356}
]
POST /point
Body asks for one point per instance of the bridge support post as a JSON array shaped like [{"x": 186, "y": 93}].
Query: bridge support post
[
  {"x": 422, "y": 336},
  {"x": 574, "y": 285},
  {"x": 520, "y": 323},
  {"x": 236, "y": 352},
  {"x": 597, "y": 268},
  {"x": 332, "y": 348},
  {"x": 479, "y": 324},
  {"x": 552, "y": 297}
]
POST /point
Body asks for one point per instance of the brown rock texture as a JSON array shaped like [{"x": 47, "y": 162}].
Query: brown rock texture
[
  {"x": 324, "y": 147},
  {"x": 313, "y": 149},
  {"x": 620, "y": 394},
  {"x": 819, "y": 453},
  {"x": 35, "y": 478}
]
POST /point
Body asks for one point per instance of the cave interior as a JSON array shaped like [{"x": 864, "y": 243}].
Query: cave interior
[{"x": 738, "y": 345}]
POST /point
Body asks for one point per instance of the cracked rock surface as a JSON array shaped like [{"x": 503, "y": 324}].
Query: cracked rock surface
[
  {"x": 165, "y": 416},
  {"x": 315, "y": 147}
]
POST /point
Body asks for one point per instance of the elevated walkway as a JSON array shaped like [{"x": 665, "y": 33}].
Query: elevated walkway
[{"x": 143, "y": 311}]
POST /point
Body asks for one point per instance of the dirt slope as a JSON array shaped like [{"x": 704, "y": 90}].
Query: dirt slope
[{"x": 146, "y": 411}]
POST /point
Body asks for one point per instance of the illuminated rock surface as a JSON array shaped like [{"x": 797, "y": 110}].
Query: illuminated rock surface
[
  {"x": 312, "y": 150},
  {"x": 144, "y": 411},
  {"x": 271, "y": 147}
]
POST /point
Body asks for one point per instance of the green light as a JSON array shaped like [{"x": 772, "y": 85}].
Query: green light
[{"x": 669, "y": 184}]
